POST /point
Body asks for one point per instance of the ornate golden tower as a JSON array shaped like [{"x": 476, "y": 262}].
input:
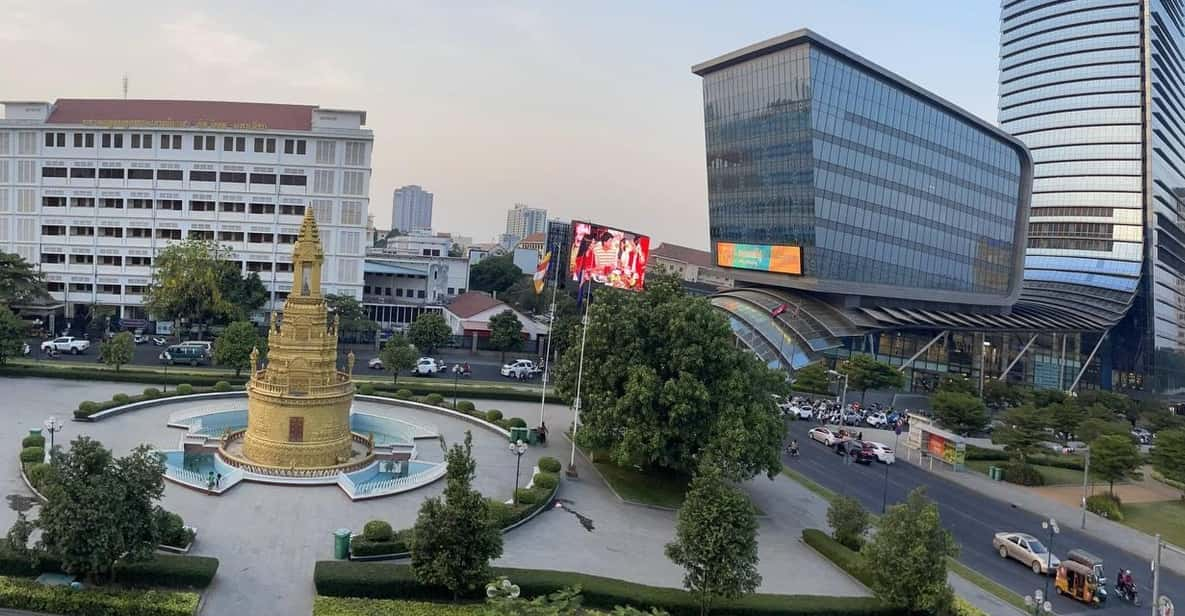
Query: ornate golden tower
[{"x": 298, "y": 405}]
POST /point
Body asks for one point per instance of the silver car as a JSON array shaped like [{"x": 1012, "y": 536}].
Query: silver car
[{"x": 1028, "y": 550}]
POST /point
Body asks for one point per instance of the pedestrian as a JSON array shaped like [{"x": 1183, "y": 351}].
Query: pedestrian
[
  {"x": 860, "y": 435},
  {"x": 218, "y": 481}
]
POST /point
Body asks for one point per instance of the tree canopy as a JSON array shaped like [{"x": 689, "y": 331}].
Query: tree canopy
[
  {"x": 907, "y": 557},
  {"x": 429, "y": 331},
  {"x": 865, "y": 373},
  {"x": 494, "y": 274},
  {"x": 1023, "y": 431},
  {"x": 118, "y": 350},
  {"x": 506, "y": 332},
  {"x": 1114, "y": 457},
  {"x": 1000, "y": 395},
  {"x": 20, "y": 282},
  {"x": 233, "y": 348},
  {"x": 1168, "y": 455},
  {"x": 398, "y": 354},
  {"x": 188, "y": 283},
  {"x": 354, "y": 319},
  {"x": 664, "y": 384},
  {"x": 12, "y": 335},
  {"x": 959, "y": 412},
  {"x": 812, "y": 378},
  {"x": 244, "y": 294}
]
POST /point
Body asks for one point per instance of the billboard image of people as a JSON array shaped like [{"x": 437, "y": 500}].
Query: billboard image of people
[{"x": 608, "y": 256}]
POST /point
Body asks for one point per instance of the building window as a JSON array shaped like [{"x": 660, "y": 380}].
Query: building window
[
  {"x": 233, "y": 177},
  {"x": 110, "y": 260},
  {"x": 294, "y": 146},
  {"x": 233, "y": 207},
  {"x": 139, "y": 261},
  {"x": 140, "y": 141},
  {"x": 114, "y": 204},
  {"x": 78, "y": 140},
  {"x": 234, "y": 144},
  {"x": 53, "y": 230},
  {"x": 203, "y": 142},
  {"x": 113, "y": 140},
  {"x": 259, "y": 238},
  {"x": 133, "y": 289},
  {"x": 26, "y": 171},
  {"x": 287, "y": 238},
  {"x": 169, "y": 204},
  {"x": 203, "y": 176},
  {"x": 82, "y": 231},
  {"x": 323, "y": 181},
  {"x": 201, "y": 206},
  {"x": 292, "y": 210},
  {"x": 82, "y": 259},
  {"x": 355, "y": 153},
  {"x": 82, "y": 172},
  {"x": 398, "y": 292},
  {"x": 325, "y": 152},
  {"x": 172, "y": 175},
  {"x": 53, "y": 202},
  {"x": 263, "y": 178},
  {"x": 170, "y": 142},
  {"x": 55, "y": 140},
  {"x": 140, "y": 204},
  {"x": 265, "y": 145},
  {"x": 230, "y": 236},
  {"x": 199, "y": 234},
  {"x": 263, "y": 208},
  {"x": 110, "y": 174},
  {"x": 110, "y": 232},
  {"x": 135, "y": 141},
  {"x": 80, "y": 287},
  {"x": 168, "y": 234},
  {"x": 354, "y": 182},
  {"x": 259, "y": 266},
  {"x": 53, "y": 172},
  {"x": 139, "y": 232},
  {"x": 82, "y": 202},
  {"x": 140, "y": 174},
  {"x": 322, "y": 211},
  {"x": 284, "y": 266},
  {"x": 292, "y": 180},
  {"x": 47, "y": 257}
]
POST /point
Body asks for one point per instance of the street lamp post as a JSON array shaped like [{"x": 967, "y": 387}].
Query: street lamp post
[
  {"x": 53, "y": 426},
  {"x": 1038, "y": 603},
  {"x": 456, "y": 375},
  {"x": 983, "y": 364},
  {"x": 518, "y": 448},
  {"x": 843, "y": 393},
  {"x": 1050, "y": 524}
]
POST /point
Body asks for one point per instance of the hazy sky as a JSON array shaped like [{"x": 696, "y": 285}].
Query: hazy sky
[{"x": 588, "y": 109}]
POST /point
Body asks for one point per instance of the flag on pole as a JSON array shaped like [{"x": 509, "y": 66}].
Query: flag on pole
[
  {"x": 541, "y": 273},
  {"x": 779, "y": 309}
]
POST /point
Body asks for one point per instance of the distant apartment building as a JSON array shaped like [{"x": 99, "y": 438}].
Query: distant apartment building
[
  {"x": 411, "y": 209},
  {"x": 522, "y": 221},
  {"x": 419, "y": 244},
  {"x": 693, "y": 266},
  {"x": 559, "y": 242},
  {"x": 92, "y": 190}
]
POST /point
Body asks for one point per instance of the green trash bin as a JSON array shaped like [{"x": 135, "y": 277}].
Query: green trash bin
[
  {"x": 520, "y": 434},
  {"x": 341, "y": 543},
  {"x": 995, "y": 473}
]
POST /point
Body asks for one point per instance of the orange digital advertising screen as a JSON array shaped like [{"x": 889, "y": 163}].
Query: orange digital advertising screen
[{"x": 781, "y": 259}]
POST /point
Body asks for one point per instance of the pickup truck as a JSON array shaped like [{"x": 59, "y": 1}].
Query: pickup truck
[
  {"x": 426, "y": 366},
  {"x": 520, "y": 369},
  {"x": 66, "y": 344}
]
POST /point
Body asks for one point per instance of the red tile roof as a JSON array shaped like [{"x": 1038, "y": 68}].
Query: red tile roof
[
  {"x": 117, "y": 113},
  {"x": 676, "y": 252},
  {"x": 472, "y": 303},
  {"x": 534, "y": 238}
]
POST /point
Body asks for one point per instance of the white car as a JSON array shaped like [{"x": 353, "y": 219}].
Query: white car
[
  {"x": 375, "y": 364},
  {"x": 876, "y": 420},
  {"x": 802, "y": 412},
  {"x": 139, "y": 339},
  {"x": 66, "y": 344},
  {"x": 884, "y": 453},
  {"x": 205, "y": 344},
  {"x": 520, "y": 369},
  {"x": 426, "y": 366},
  {"x": 823, "y": 435}
]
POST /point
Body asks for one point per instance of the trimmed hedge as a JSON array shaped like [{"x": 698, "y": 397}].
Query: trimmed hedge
[
  {"x": 377, "y": 530},
  {"x": 399, "y": 543},
  {"x": 38, "y": 472},
  {"x": 1023, "y": 474},
  {"x": 74, "y": 371},
  {"x": 30, "y": 455},
  {"x": 528, "y": 496},
  {"x": 843, "y": 556},
  {"x": 549, "y": 464},
  {"x": 222, "y": 386},
  {"x": 168, "y": 570},
  {"x": 354, "y": 606},
  {"x": 184, "y": 389},
  {"x": 466, "y": 406},
  {"x": 152, "y": 392},
  {"x": 366, "y": 389},
  {"x": 546, "y": 481},
  {"x": 517, "y": 422},
  {"x": 408, "y": 389},
  {"x": 121, "y": 398},
  {"x": 88, "y": 408},
  {"x": 1105, "y": 505},
  {"x": 385, "y": 581},
  {"x": 29, "y": 595},
  {"x": 33, "y": 440},
  {"x": 998, "y": 455},
  {"x": 493, "y": 415}
]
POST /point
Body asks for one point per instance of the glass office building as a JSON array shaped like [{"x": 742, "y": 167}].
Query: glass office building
[
  {"x": 830, "y": 174},
  {"x": 1094, "y": 88}
]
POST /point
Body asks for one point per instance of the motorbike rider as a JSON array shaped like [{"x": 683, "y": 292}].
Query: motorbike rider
[
  {"x": 1124, "y": 582},
  {"x": 792, "y": 448}
]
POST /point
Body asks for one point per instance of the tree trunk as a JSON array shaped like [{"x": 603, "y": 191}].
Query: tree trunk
[
  {"x": 238, "y": 370},
  {"x": 395, "y": 376}
]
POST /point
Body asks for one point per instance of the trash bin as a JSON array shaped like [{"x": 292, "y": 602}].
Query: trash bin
[
  {"x": 532, "y": 436},
  {"x": 995, "y": 473},
  {"x": 341, "y": 543},
  {"x": 520, "y": 434}
]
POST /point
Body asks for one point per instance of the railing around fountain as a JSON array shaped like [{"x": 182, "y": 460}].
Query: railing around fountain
[
  {"x": 294, "y": 472},
  {"x": 398, "y": 483}
]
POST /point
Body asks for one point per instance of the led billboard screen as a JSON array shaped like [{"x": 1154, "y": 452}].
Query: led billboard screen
[
  {"x": 608, "y": 256},
  {"x": 761, "y": 257}
]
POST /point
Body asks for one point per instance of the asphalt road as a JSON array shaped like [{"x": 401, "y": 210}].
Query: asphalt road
[{"x": 973, "y": 519}]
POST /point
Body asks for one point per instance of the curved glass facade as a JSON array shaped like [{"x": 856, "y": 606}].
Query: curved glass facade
[{"x": 887, "y": 190}]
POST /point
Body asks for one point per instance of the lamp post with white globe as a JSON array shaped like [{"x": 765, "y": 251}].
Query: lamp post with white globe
[
  {"x": 1038, "y": 603},
  {"x": 518, "y": 448},
  {"x": 52, "y": 425}
]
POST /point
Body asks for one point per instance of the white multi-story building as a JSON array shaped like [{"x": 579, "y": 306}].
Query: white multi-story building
[
  {"x": 523, "y": 221},
  {"x": 411, "y": 209},
  {"x": 91, "y": 190}
]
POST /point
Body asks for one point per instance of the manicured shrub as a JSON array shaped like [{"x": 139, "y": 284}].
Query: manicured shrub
[
  {"x": 838, "y": 553},
  {"x": 366, "y": 389},
  {"x": 33, "y": 440},
  {"x": 377, "y": 530},
  {"x": 398, "y": 543},
  {"x": 493, "y": 415},
  {"x": 547, "y": 481},
  {"x": 1023, "y": 474},
  {"x": 529, "y": 496},
  {"x": 549, "y": 464},
  {"x": 465, "y": 406},
  {"x": 121, "y": 398},
  {"x": 517, "y": 422},
  {"x": 168, "y": 570},
  {"x": 38, "y": 472},
  {"x": 32, "y": 454},
  {"x": 222, "y": 386},
  {"x": 433, "y": 398},
  {"x": 88, "y": 406},
  {"x": 358, "y": 606},
  {"x": 29, "y": 595},
  {"x": 184, "y": 389},
  {"x": 1105, "y": 505},
  {"x": 152, "y": 392},
  {"x": 404, "y": 394},
  {"x": 983, "y": 453},
  {"x": 172, "y": 529}
]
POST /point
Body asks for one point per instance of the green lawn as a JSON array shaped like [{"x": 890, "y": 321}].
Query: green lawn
[
  {"x": 982, "y": 581},
  {"x": 1166, "y": 518},
  {"x": 1054, "y": 476},
  {"x": 650, "y": 487}
]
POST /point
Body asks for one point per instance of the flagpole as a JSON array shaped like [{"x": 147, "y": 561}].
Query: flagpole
[
  {"x": 579, "y": 378},
  {"x": 555, "y": 287}
]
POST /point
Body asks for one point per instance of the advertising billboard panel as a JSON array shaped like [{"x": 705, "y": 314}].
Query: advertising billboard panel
[
  {"x": 608, "y": 256},
  {"x": 781, "y": 259}
]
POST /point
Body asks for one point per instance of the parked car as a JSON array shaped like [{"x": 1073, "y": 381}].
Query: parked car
[
  {"x": 1142, "y": 436},
  {"x": 205, "y": 344},
  {"x": 856, "y": 450},
  {"x": 66, "y": 344},
  {"x": 884, "y": 454},
  {"x": 375, "y": 364},
  {"x": 1028, "y": 550},
  {"x": 185, "y": 354},
  {"x": 139, "y": 339},
  {"x": 520, "y": 369},
  {"x": 426, "y": 366},
  {"x": 851, "y": 418},
  {"x": 876, "y": 420},
  {"x": 801, "y": 412},
  {"x": 823, "y": 435},
  {"x": 159, "y": 341}
]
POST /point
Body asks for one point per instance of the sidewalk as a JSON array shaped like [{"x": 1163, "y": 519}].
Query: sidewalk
[{"x": 978, "y": 597}]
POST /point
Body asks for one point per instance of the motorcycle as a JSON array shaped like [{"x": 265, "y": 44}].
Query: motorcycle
[
  {"x": 1127, "y": 592},
  {"x": 158, "y": 341}
]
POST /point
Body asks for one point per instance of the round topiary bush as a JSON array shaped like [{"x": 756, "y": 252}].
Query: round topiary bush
[
  {"x": 403, "y": 394},
  {"x": 184, "y": 389},
  {"x": 150, "y": 392},
  {"x": 433, "y": 399},
  {"x": 366, "y": 389},
  {"x": 1105, "y": 505},
  {"x": 88, "y": 406},
  {"x": 546, "y": 481},
  {"x": 466, "y": 406},
  {"x": 493, "y": 415},
  {"x": 527, "y": 496},
  {"x": 1023, "y": 474},
  {"x": 517, "y": 422},
  {"x": 33, "y": 440},
  {"x": 221, "y": 386},
  {"x": 38, "y": 472},
  {"x": 32, "y": 454},
  {"x": 549, "y": 464},
  {"x": 377, "y": 530},
  {"x": 121, "y": 398}
]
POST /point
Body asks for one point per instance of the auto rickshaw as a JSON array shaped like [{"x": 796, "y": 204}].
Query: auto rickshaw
[
  {"x": 1078, "y": 581},
  {"x": 1090, "y": 560}
]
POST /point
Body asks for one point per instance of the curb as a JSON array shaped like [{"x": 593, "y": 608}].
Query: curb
[
  {"x": 133, "y": 406},
  {"x": 835, "y": 566},
  {"x": 29, "y": 484}
]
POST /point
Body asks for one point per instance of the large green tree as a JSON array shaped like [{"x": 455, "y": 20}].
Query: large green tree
[
  {"x": 429, "y": 331},
  {"x": 456, "y": 537},
  {"x": 354, "y": 320},
  {"x": 233, "y": 348},
  {"x": 664, "y": 383},
  {"x": 959, "y": 412},
  {"x": 117, "y": 351},
  {"x": 187, "y": 283},
  {"x": 494, "y": 274},
  {"x": 20, "y": 282},
  {"x": 506, "y": 332},
  {"x": 1066, "y": 418},
  {"x": 958, "y": 384},
  {"x": 244, "y": 294},
  {"x": 865, "y": 373},
  {"x": 1092, "y": 428},
  {"x": 1000, "y": 395},
  {"x": 12, "y": 335},
  {"x": 1022, "y": 432},
  {"x": 813, "y": 379},
  {"x": 1114, "y": 457},
  {"x": 716, "y": 540},
  {"x": 398, "y": 354},
  {"x": 100, "y": 509},
  {"x": 849, "y": 521},
  {"x": 1168, "y": 455},
  {"x": 906, "y": 558}
]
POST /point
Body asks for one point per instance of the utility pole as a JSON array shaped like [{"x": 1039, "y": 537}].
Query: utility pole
[
  {"x": 1085, "y": 485},
  {"x": 1156, "y": 578}
]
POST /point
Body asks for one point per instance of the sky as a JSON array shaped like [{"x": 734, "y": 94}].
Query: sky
[{"x": 587, "y": 109}]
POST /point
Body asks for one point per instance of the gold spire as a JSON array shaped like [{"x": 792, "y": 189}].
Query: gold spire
[{"x": 307, "y": 257}]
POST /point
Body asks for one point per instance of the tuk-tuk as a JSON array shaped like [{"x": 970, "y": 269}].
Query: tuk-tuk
[
  {"x": 1078, "y": 581},
  {"x": 1090, "y": 560}
]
